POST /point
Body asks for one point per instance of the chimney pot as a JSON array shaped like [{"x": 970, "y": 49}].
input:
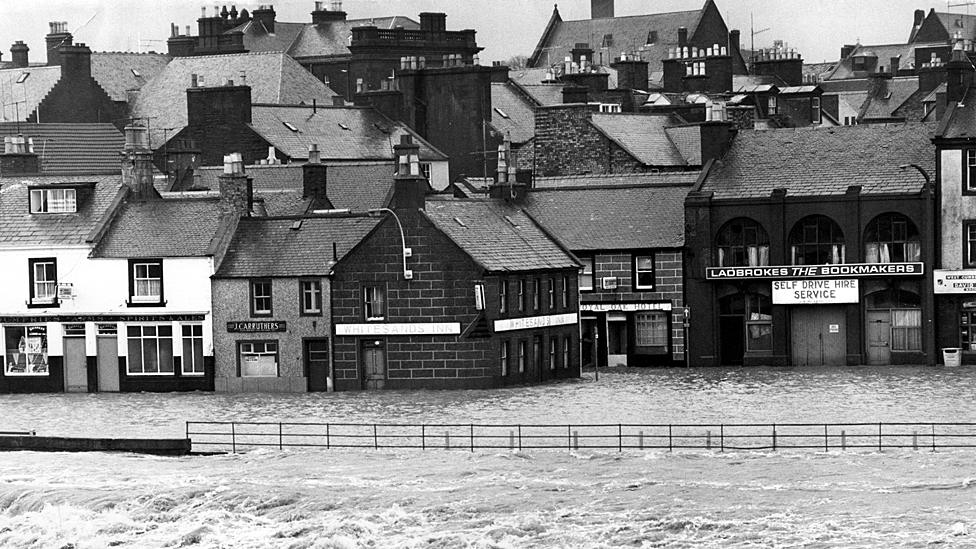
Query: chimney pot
[
  {"x": 233, "y": 164},
  {"x": 314, "y": 156}
]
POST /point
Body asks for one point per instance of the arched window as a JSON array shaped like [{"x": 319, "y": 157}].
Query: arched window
[
  {"x": 742, "y": 243},
  {"x": 816, "y": 240},
  {"x": 891, "y": 238}
]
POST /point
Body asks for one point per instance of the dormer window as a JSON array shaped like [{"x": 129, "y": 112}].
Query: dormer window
[{"x": 53, "y": 201}]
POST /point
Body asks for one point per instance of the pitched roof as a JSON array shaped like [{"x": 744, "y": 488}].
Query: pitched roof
[
  {"x": 687, "y": 139},
  {"x": 27, "y": 95},
  {"x": 183, "y": 226},
  {"x": 342, "y": 133},
  {"x": 609, "y": 212},
  {"x": 273, "y": 77},
  {"x": 72, "y": 148},
  {"x": 291, "y": 246},
  {"x": 844, "y": 68},
  {"x": 118, "y": 72},
  {"x": 20, "y": 228},
  {"x": 359, "y": 187},
  {"x": 330, "y": 39},
  {"x": 884, "y": 103},
  {"x": 641, "y": 135},
  {"x": 498, "y": 237},
  {"x": 959, "y": 122},
  {"x": 958, "y": 22},
  {"x": 824, "y": 161},
  {"x": 512, "y": 113}
]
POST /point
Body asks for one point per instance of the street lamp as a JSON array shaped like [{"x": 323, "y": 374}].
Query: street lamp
[
  {"x": 921, "y": 170},
  {"x": 407, "y": 252},
  {"x": 932, "y": 225}
]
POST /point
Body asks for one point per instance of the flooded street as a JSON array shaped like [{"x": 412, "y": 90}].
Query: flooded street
[{"x": 501, "y": 499}]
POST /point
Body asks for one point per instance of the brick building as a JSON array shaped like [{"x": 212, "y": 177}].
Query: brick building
[{"x": 453, "y": 293}]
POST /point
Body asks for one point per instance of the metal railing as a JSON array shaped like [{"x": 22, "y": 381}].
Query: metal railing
[{"x": 234, "y": 436}]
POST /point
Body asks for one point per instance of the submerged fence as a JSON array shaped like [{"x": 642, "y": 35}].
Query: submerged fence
[{"x": 213, "y": 436}]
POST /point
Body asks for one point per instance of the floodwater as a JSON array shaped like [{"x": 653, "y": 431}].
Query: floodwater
[{"x": 502, "y": 499}]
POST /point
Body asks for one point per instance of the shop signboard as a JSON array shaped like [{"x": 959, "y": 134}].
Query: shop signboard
[
  {"x": 954, "y": 282},
  {"x": 256, "y": 326},
  {"x": 842, "y": 270},
  {"x": 509, "y": 324},
  {"x": 815, "y": 292},
  {"x": 398, "y": 329}
]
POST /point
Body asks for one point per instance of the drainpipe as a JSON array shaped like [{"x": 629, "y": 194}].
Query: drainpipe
[{"x": 928, "y": 257}]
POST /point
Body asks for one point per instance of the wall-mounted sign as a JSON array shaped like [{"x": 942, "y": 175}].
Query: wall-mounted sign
[
  {"x": 509, "y": 324},
  {"x": 102, "y": 318},
  {"x": 395, "y": 329},
  {"x": 625, "y": 307},
  {"x": 834, "y": 328},
  {"x": 252, "y": 326},
  {"x": 846, "y": 270},
  {"x": 814, "y": 292},
  {"x": 954, "y": 282}
]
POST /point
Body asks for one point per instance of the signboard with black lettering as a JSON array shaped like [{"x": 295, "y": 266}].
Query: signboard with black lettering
[
  {"x": 954, "y": 282},
  {"x": 814, "y": 292},
  {"x": 252, "y": 326},
  {"x": 848, "y": 270}
]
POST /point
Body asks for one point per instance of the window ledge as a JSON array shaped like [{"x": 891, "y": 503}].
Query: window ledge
[
  {"x": 41, "y": 304},
  {"x": 131, "y": 303}
]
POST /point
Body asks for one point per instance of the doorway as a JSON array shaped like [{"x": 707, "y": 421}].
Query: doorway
[
  {"x": 317, "y": 364},
  {"x": 879, "y": 337},
  {"x": 75, "y": 359},
  {"x": 107, "y": 349},
  {"x": 373, "y": 356},
  {"x": 819, "y": 336}
]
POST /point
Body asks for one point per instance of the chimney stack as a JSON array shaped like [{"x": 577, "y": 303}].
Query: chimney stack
[
  {"x": 18, "y": 157},
  {"x": 321, "y": 15},
  {"x": 734, "y": 41},
  {"x": 58, "y": 37},
  {"x": 409, "y": 184},
  {"x": 137, "y": 166},
  {"x": 508, "y": 185},
  {"x": 682, "y": 37},
  {"x": 265, "y": 14},
  {"x": 601, "y": 9},
  {"x": 18, "y": 54},
  {"x": 236, "y": 193},
  {"x": 75, "y": 61},
  {"x": 314, "y": 179},
  {"x": 959, "y": 74}
]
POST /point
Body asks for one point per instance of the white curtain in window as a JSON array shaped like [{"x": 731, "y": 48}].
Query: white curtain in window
[
  {"x": 913, "y": 251},
  {"x": 721, "y": 257},
  {"x": 871, "y": 252},
  {"x": 753, "y": 256},
  {"x": 763, "y": 256},
  {"x": 885, "y": 254}
]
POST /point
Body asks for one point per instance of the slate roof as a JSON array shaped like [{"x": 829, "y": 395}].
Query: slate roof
[
  {"x": 643, "y": 136},
  {"x": 884, "y": 52},
  {"x": 114, "y": 71},
  {"x": 958, "y": 22},
  {"x": 72, "y": 148},
  {"x": 305, "y": 40},
  {"x": 359, "y": 187},
  {"x": 824, "y": 161},
  {"x": 184, "y": 226},
  {"x": 687, "y": 139},
  {"x": 897, "y": 91},
  {"x": 512, "y": 113},
  {"x": 32, "y": 91},
  {"x": 617, "y": 180},
  {"x": 18, "y": 228},
  {"x": 498, "y": 237},
  {"x": 626, "y": 31},
  {"x": 272, "y": 247},
  {"x": 610, "y": 212},
  {"x": 960, "y": 122},
  {"x": 273, "y": 77},
  {"x": 342, "y": 133}
]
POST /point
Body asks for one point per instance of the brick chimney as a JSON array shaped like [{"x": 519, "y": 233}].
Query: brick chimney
[
  {"x": 314, "y": 179},
  {"x": 265, "y": 14},
  {"x": 409, "y": 183},
  {"x": 632, "y": 74},
  {"x": 236, "y": 193},
  {"x": 137, "y": 166},
  {"x": 959, "y": 74},
  {"x": 75, "y": 61},
  {"x": 180, "y": 45},
  {"x": 601, "y": 9},
  {"x": 321, "y": 15},
  {"x": 59, "y": 36},
  {"x": 509, "y": 184},
  {"x": 18, "y": 54},
  {"x": 735, "y": 41},
  {"x": 18, "y": 157},
  {"x": 682, "y": 37},
  {"x": 218, "y": 105},
  {"x": 433, "y": 22}
]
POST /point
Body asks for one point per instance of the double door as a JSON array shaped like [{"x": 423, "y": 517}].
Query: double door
[{"x": 819, "y": 336}]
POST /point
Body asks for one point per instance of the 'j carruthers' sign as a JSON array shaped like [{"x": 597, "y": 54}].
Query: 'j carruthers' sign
[{"x": 848, "y": 270}]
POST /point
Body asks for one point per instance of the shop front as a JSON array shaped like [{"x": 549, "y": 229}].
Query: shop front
[
  {"x": 626, "y": 334},
  {"x": 955, "y": 294},
  {"x": 819, "y": 315}
]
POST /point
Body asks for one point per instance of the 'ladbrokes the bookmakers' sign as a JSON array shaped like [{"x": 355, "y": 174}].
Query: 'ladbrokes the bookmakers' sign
[{"x": 849, "y": 270}]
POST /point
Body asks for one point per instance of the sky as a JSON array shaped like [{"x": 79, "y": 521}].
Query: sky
[{"x": 816, "y": 28}]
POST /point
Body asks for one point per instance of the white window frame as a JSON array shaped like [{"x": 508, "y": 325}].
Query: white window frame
[
  {"x": 311, "y": 292},
  {"x": 257, "y": 298},
  {"x": 138, "y": 297},
  {"x": 251, "y": 348},
  {"x": 638, "y": 271},
  {"x": 502, "y": 296},
  {"x": 188, "y": 365},
  {"x": 53, "y": 201},
  {"x": 143, "y": 338},
  {"x": 566, "y": 352},
  {"x": 522, "y": 350},
  {"x": 503, "y": 357},
  {"x": 374, "y": 297},
  {"x": 553, "y": 352},
  {"x": 656, "y": 322},
  {"x": 39, "y": 280},
  {"x": 587, "y": 273}
]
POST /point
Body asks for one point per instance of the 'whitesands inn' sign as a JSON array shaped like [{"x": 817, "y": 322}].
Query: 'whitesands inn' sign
[{"x": 843, "y": 270}]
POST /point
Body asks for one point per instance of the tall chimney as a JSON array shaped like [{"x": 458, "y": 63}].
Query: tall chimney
[
  {"x": 58, "y": 37},
  {"x": 18, "y": 54},
  {"x": 137, "y": 166},
  {"x": 601, "y": 9},
  {"x": 314, "y": 182},
  {"x": 734, "y": 41},
  {"x": 236, "y": 193},
  {"x": 682, "y": 37},
  {"x": 507, "y": 186},
  {"x": 266, "y": 15},
  {"x": 959, "y": 74},
  {"x": 409, "y": 184},
  {"x": 75, "y": 61},
  {"x": 18, "y": 157}
]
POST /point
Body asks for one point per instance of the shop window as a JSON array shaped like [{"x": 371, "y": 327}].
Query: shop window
[
  {"x": 503, "y": 358},
  {"x": 145, "y": 281},
  {"x": 756, "y": 312},
  {"x": 521, "y": 357},
  {"x": 150, "y": 349},
  {"x": 521, "y": 295},
  {"x": 742, "y": 243},
  {"x": 43, "y": 281},
  {"x": 374, "y": 302},
  {"x": 553, "y": 352},
  {"x": 76, "y": 330},
  {"x": 311, "y": 296},
  {"x": 53, "y": 201},
  {"x": 651, "y": 329},
  {"x": 816, "y": 240},
  {"x": 566, "y": 352},
  {"x": 969, "y": 170},
  {"x": 258, "y": 358},
  {"x": 192, "y": 349},
  {"x": 906, "y": 329},
  {"x": 586, "y": 275},
  {"x": 644, "y": 272},
  {"x": 891, "y": 238},
  {"x": 969, "y": 236},
  {"x": 967, "y": 327},
  {"x": 26, "y": 351},
  {"x": 261, "y": 301}
]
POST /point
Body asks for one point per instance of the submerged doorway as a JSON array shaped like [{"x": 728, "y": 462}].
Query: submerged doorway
[
  {"x": 819, "y": 336},
  {"x": 373, "y": 356}
]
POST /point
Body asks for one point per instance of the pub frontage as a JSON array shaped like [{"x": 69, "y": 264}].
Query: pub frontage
[{"x": 814, "y": 260}]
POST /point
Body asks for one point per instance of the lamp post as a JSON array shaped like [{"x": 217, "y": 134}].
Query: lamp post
[
  {"x": 407, "y": 252},
  {"x": 929, "y": 259}
]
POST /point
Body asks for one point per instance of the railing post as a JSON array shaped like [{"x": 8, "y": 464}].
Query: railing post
[
  {"x": 423, "y": 437},
  {"x": 280, "y": 445},
  {"x": 376, "y": 442},
  {"x": 233, "y": 438},
  {"x": 708, "y": 439},
  {"x": 914, "y": 440},
  {"x": 569, "y": 437},
  {"x": 520, "y": 437},
  {"x": 933, "y": 437},
  {"x": 447, "y": 440},
  {"x": 670, "y": 444},
  {"x": 774, "y": 437},
  {"x": 620, "y": 437},
  {"x": 640, "y": 439},
  {"x": 721, "y": 437},
  {"x": 879, "y": 437},
  {"x": 826, "y": 443},
  {"x": 843, "y": 440},
  {"x": 328, "y": 438},
  {"x": 472, "y": 437},
  {"x": 576, "y": 440}
]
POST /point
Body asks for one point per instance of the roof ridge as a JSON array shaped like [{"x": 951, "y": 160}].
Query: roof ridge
[
  {"x": 240, "y": 54},
  {"x": 632, "y": 16}
]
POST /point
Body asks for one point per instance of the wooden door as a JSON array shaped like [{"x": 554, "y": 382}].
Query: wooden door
[
  {"x": 374, "y": 364},
  {"x": 819, "y": 336},
  {"x": 75, "y": 365},
  {"x": 317, "y": 364},
  {"x": 108, "y": 363},
  {"x": 878, "y": 335}
]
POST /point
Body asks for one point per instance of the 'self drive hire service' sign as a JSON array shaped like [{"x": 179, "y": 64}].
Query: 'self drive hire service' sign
[{"x": 814, "y": 292}]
